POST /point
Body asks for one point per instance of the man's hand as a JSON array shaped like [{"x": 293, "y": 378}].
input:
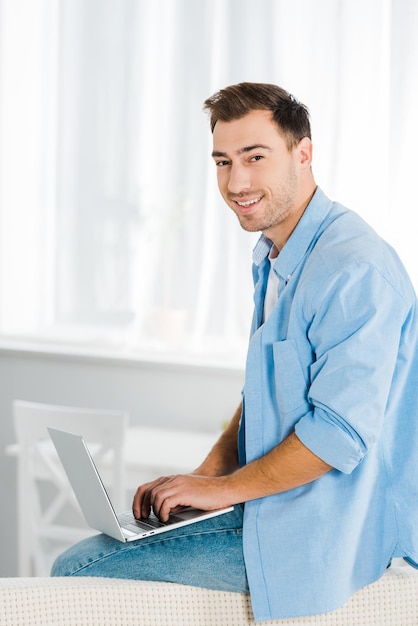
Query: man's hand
[
  {"x": 167, "y": 493},
  {"x": 205, "y": 488}
]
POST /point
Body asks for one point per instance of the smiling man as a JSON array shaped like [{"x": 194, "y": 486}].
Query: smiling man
[
  {"x": 321, "y": 456},
  {"x": 265, "y": 181}
]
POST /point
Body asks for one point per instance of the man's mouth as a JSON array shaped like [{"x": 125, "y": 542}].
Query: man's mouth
[{"x": 248, "y": 203}]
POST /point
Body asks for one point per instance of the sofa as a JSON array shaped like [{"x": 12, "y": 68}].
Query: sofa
[{"x": 391, "y": 601}]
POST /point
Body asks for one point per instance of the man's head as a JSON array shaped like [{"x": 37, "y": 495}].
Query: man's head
[
  {"x": 262, "y": 152},
  {"x": 236, "y": 101}
]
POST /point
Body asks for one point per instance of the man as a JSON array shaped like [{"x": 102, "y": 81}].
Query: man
[{"x": 323, "y": 450}]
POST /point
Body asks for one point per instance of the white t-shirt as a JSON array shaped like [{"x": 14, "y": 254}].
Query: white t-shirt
[{"x": 271, "y": 297}]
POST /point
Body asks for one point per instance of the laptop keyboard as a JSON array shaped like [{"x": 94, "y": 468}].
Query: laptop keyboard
[{"x": 128, "y": 521}]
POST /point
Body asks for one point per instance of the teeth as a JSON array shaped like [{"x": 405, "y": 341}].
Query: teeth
[{"x": 249, "y": 203}]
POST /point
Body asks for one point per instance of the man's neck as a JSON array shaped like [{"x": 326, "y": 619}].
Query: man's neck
[{"x": 280, "y": 233}]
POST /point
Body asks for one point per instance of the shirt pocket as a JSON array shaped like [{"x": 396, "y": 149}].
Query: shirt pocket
[{"x": 289, "y": 379}]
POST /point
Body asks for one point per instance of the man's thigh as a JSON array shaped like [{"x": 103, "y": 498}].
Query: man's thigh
[{"x": 206, "y": 554}]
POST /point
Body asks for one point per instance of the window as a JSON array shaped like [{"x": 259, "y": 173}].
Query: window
[{"x": 112, "y": 231}]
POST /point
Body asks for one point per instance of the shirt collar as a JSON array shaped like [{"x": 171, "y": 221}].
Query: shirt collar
[{"x": 305, "y": 233}]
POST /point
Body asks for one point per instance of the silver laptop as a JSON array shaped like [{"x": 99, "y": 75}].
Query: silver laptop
[{"x": 94, "y": 500}]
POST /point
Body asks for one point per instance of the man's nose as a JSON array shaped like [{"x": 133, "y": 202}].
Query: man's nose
[{"x": 239, "y": 179}]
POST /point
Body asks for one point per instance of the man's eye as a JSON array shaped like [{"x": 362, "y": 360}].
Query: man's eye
[
  {"x": 257, "y": 157},
  {"x": 221, "y": 163}
]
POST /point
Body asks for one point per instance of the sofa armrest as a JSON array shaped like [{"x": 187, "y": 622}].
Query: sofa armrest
[{"x": 84, "y": 601}]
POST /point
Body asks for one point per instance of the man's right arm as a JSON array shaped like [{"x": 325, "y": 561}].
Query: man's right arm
[{"x": 223, "y": 457}]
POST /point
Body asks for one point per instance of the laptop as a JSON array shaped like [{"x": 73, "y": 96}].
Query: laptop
[{"x": 95, "y": 503}]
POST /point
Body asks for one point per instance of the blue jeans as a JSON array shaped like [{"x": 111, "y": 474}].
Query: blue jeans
[{"x": 205, "y": 554}]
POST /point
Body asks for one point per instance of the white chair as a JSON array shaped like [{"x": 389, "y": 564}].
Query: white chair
[{"x": 49, "y": 518}]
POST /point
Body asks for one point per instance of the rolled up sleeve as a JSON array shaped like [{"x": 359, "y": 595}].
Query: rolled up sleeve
[{"x": 356, "y": 326}]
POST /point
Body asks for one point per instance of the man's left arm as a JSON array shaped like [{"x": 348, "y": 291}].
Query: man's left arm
[{"x": 288, "y": 465}]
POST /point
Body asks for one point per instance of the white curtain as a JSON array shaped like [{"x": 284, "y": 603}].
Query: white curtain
[{"x": 112, "y": 231}]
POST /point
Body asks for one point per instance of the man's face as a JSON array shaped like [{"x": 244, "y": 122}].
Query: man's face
[{"x": 258, "y": 177}]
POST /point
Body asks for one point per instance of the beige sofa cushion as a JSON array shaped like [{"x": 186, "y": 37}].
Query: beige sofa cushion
[{"x": 391, "y": 601}]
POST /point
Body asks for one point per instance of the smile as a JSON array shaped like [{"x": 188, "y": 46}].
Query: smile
[{"x": 249, "y": 202}]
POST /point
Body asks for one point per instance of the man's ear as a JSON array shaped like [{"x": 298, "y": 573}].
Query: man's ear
[{"x": 304, "y": 149}]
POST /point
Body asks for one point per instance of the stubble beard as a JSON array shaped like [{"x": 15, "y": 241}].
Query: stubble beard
[
  {"x": 273, "y": 215},
  {"x": 278, "y": 209}
]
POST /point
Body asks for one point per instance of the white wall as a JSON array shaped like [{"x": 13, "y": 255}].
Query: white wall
[{"x": 159, "y": 394}]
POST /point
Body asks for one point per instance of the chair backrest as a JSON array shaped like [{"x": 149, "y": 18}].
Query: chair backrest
[
  {"x": 38, "y": 463},
  {"x": 32, "y": 419}
]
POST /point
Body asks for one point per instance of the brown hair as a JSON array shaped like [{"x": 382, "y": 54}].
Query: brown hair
[{"x": 236, "y": 101}]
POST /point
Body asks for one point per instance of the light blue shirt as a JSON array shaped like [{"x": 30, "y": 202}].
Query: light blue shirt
[{"x": 336, "y": 361}]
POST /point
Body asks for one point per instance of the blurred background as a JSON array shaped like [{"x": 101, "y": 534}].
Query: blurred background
[
  {"x": 122, "y": 273},
  {"x": 112, "y": 233}
]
